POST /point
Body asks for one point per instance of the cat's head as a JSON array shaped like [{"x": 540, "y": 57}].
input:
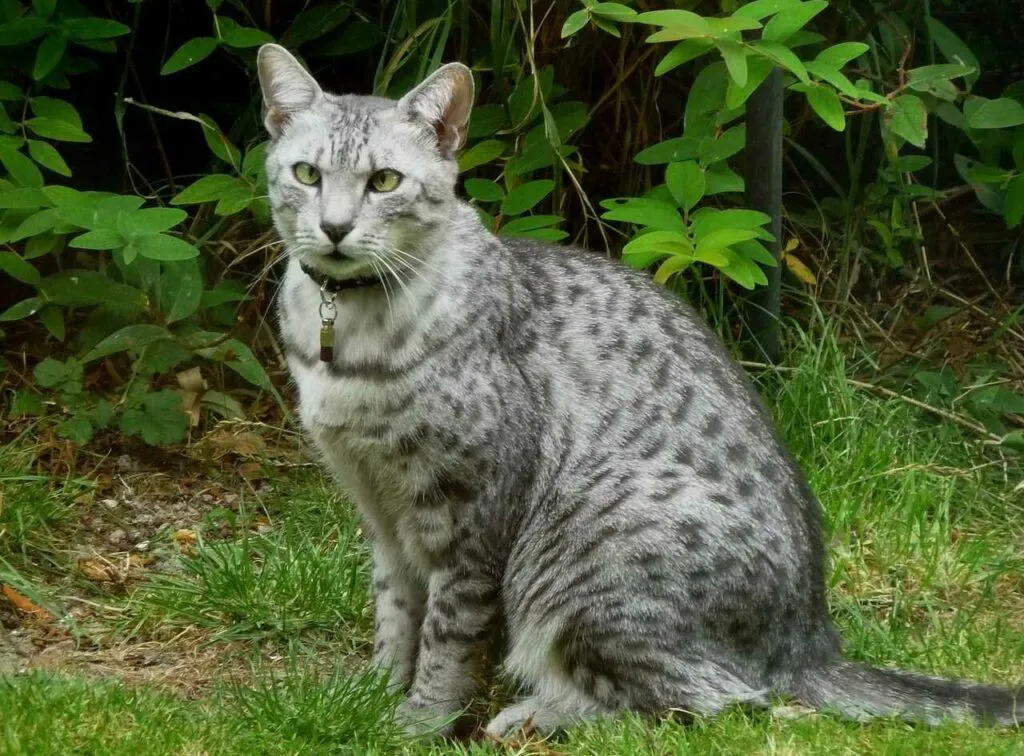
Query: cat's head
[{"x": 358, "y": 183}]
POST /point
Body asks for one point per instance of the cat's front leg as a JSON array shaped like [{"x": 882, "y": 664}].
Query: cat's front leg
[
  {"x": 461, "y": 607},
  {"x": 399, "y": 607}
]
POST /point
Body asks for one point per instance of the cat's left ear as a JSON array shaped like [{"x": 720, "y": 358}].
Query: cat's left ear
[
  {"x": 287, "y": 87},
  {"x": 443, "y": 100}
]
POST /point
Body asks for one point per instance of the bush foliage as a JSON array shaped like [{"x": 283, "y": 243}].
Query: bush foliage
[{"x": 137, "y": 259}]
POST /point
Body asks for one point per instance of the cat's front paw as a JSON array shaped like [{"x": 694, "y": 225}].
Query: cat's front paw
[{"x": 425, "y": 720}]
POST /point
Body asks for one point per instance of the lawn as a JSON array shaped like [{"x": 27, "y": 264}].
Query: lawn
[{"x": 245, "y": 626}]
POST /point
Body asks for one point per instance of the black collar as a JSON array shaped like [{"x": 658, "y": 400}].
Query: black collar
[{"x": 335, "y": 285}]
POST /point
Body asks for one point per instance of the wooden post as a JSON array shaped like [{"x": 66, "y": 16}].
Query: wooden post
[{"x": 764, "y": 193}]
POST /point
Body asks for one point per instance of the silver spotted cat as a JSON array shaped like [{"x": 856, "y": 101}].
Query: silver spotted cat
[{"x": 541, "y": 440}]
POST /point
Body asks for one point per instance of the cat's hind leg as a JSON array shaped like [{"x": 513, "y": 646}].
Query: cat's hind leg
[{"x": 559, "y": 707}]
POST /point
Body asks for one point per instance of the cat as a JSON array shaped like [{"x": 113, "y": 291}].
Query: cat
[{"x": 538, "y": 437}]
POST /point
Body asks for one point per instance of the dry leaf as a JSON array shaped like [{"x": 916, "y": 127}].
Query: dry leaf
[
  {"x": 192, "y": 388},
  {"x": 798, "y": 269},
  {"x": 97, "y": 570},
  {"x": 251, "y": 470},
  {"x": 185, "y": 536},
  {"x": 23, "y": 604}
]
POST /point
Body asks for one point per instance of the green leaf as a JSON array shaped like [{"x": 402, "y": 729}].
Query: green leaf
[
  {"x": 484, "y": 190},
  {"x": 131, "y": 337},
  {"x": 763, "y": 8},
  {"x": 1013, "y": 440},
  {"x": 839, "y": 55},
  {"x": 744, "y": 272},
  {"x": 480, "y": 153},
  {"x": 13, "y": 265},
  {"x": 721, "y": 179},
  {"x": 754, "y": 250},
  {"x": 574, "y": 23},
  {"x": 530, "y": 223},
  {"x": 606, "y": 26},
  {"x": 314, "y": 22},
  {"x": 735, "y": 56},
  {"x": 238, "y": 357},
  {"x": 11, "y": 92},
  {"x": 183, "y": 284},
  {"x": 731, "y": 27},
  {"x": 723, "y": 238},
  {"x": 686, "y": 183},
  {"x": 728, "y": 143},
  {"x": 20, "y": 168},
  {"x": 836, "y": 78},
  {"x": 1013, "y": 207},
  {"x": 22, "y": 309},
  {"x": 758, "y": 69},
  {"x": 77, "y": 429},
  {"x": 91, "y": 27},
  {"x": 159, "y": 419},
  {"x": 825, "y": 103},
  {"x": 101, "y": 238},
  {"x": 62, "y": 131},
  {"x": 190, "y": 53},
  {"x": 253, "y": 164},
  {"x": 218, "y": 143},
  {"x": 25, "y": 198},
  {"x": 651, "y": 246},
  {"x": 26, "y": 403},
  {"x": 922, "y": 78},
  {"x": 672, "y": 266},
  {"x": 150, "y": 220},
  {"x": 908, "y": 118},
  {"x": 164, "y": 247},
  {"x": 81, "y": 288},
  {"x": 614, "y": 12},
  {"x": 245, "y": 36},
  {"x": 47, "y": 156},
  {"x": 784, "y": 57},
  {"x": 487, "y": 119},
  {"x": 683, "y": 52},
  {"x": 1002, "y": 113},
  {"x": 21, "y": 30},
  {"x": 50, "y": 51},
  {"x": 681, "y": 22},
  {"x": 357, "y": 35},
  {"x": 52, "y": 318},
  {"x": 234, "y": 199},
  {"x": 670, "y": 151},
  {"x": 709, "y": 220},
  {"x": 645, "y": 212},
  {"x": 51, "y": 373},
  {"x": 36, "y": 223},
  {"x": 44, "y": 8},
  {"x": 525, "y": 196},
  {"x": 52, "y": 107},
  {"x": 206, "y": 189},
  {"x": 953, "y": 48},
  {"x": 789, "y": 21}
]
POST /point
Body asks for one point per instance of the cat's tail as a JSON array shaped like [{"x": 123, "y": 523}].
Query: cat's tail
[{"x": 856, "y": 691}]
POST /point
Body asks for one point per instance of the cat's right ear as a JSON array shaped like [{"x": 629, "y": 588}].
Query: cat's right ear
[{"x": 287, "y": 87}]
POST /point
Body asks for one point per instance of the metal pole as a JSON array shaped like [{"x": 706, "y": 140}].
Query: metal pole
[{"x": 764, "y": 193}]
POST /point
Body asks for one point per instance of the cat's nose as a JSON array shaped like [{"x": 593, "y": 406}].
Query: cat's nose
[{"x": 336, "y": 231}]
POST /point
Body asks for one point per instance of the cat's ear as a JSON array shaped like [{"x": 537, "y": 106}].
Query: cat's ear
[
  {"x": 443, "y": 100},
  {"x": 287, "y": 87}
]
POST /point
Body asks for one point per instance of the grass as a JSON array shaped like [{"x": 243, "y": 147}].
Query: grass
[{"x": 925, "y": 536}]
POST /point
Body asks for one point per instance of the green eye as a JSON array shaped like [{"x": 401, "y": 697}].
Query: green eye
[
  {"x": 306, "y": 174},
  {"x": 385, "y": 180}
]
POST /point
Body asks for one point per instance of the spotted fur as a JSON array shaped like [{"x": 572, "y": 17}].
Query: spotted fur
[{"x": 538, "y": 437}]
